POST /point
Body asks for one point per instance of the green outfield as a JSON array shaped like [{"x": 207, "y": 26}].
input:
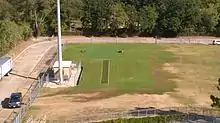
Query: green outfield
[{"x": 138, "y": 69}]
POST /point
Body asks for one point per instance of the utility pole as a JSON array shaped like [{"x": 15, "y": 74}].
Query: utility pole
[{"x": 59, "y": 43}]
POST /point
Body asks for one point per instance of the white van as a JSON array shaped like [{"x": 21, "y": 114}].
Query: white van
[{"x": 217, "y": 41}]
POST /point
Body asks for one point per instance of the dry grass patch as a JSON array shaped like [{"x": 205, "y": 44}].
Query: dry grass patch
[{"x": 198, "y": 69}]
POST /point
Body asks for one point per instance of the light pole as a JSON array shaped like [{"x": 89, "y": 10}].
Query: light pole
[{"x": 59, "y": 42}]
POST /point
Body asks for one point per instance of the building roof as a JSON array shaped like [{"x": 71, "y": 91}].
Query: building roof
[
  {"x": 65, "y": 64},
  {"x": 3, "y": 59}
]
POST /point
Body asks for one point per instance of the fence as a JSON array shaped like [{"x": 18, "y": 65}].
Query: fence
[
  {"x": 17, "y": 117},
  {"x": 178, "y": 40},
  {"x": 176, "y": 115},
  {"x": 32, "y": 93}
]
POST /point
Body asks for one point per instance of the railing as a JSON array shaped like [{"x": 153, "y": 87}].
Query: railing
[{"x": 177, "y": 40}]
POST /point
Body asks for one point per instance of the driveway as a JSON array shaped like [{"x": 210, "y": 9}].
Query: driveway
[{"x": 23, "y": 66}]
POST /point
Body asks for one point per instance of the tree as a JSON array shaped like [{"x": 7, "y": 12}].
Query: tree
[
  {"x": 148, "y": 17},
  {"x": 71, "y": 11},
  {"x": 118, "y": 16},
  {"x": 96, "y": 15},
  {"x": 133, "y": 19},
  {"x": 209, "y": 16},
  {"x": 209, "y": 19},
  {"x": 191, "y": 16},
  {"x": 159, "y": 17},
  {"x": 35, "y": 12},
  {"x": 6, "y": 10},
  {"x": 170, "y": 18},
  {"x": 11, "y": 33}
]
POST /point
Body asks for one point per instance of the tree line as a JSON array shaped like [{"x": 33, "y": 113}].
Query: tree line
[
  {"x": 108, "y": 17},
  {"x": 152, "y": 17}
]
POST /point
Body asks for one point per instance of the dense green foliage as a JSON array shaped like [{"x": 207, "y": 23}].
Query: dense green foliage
[
  {"x": 11, "y": 33},
  {"x": 156, "y": 119},
  {"x": 115, "y": 17}
]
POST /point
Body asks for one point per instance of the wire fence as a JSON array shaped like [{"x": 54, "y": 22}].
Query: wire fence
[
  {"x": 177, "y": 40},
  {"x": 173, "y": 115},
  {"x": 18, "y": 114}
]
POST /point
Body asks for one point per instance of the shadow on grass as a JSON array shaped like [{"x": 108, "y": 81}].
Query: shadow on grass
[
  {"x": 87, "y": 96},
  {"x": 92, "y": 95}
]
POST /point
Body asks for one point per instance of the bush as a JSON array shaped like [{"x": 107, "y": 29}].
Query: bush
[
  {"x": 26, "y": 31},
  {"x": 156, "y": 119},
  {"x": 11, "y": 33}
]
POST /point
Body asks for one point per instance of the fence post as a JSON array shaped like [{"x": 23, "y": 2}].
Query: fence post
[
  {"x": 146, "y": 112},
  {"x": 91, "y": 39},
  {"x": 38, "y": 79},
  {"x": 30, "y": 96},
  {"x": 47, "y": 78}
]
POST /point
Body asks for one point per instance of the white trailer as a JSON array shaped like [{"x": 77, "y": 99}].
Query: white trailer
[{"x": 5, "y": 66}]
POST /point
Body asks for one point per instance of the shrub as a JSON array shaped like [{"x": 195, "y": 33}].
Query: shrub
[
  {"x": 11, "y": 33},
  {"x": 156, "y": 119}
]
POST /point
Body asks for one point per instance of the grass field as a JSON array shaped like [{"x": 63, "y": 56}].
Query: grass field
[
  {"x": 137, "y": 70},
  {"x": 189, "y": 72}
]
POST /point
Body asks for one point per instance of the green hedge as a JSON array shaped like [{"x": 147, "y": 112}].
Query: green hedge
[
  {"x": 156, "y": 119},
  {"x": 11, "y": 33}
]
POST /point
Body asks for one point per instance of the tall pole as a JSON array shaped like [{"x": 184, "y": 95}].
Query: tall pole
[{"x": 59, "y": 42}]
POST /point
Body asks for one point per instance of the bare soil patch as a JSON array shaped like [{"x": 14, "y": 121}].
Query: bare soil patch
[{"x": 72, "y": 108}]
